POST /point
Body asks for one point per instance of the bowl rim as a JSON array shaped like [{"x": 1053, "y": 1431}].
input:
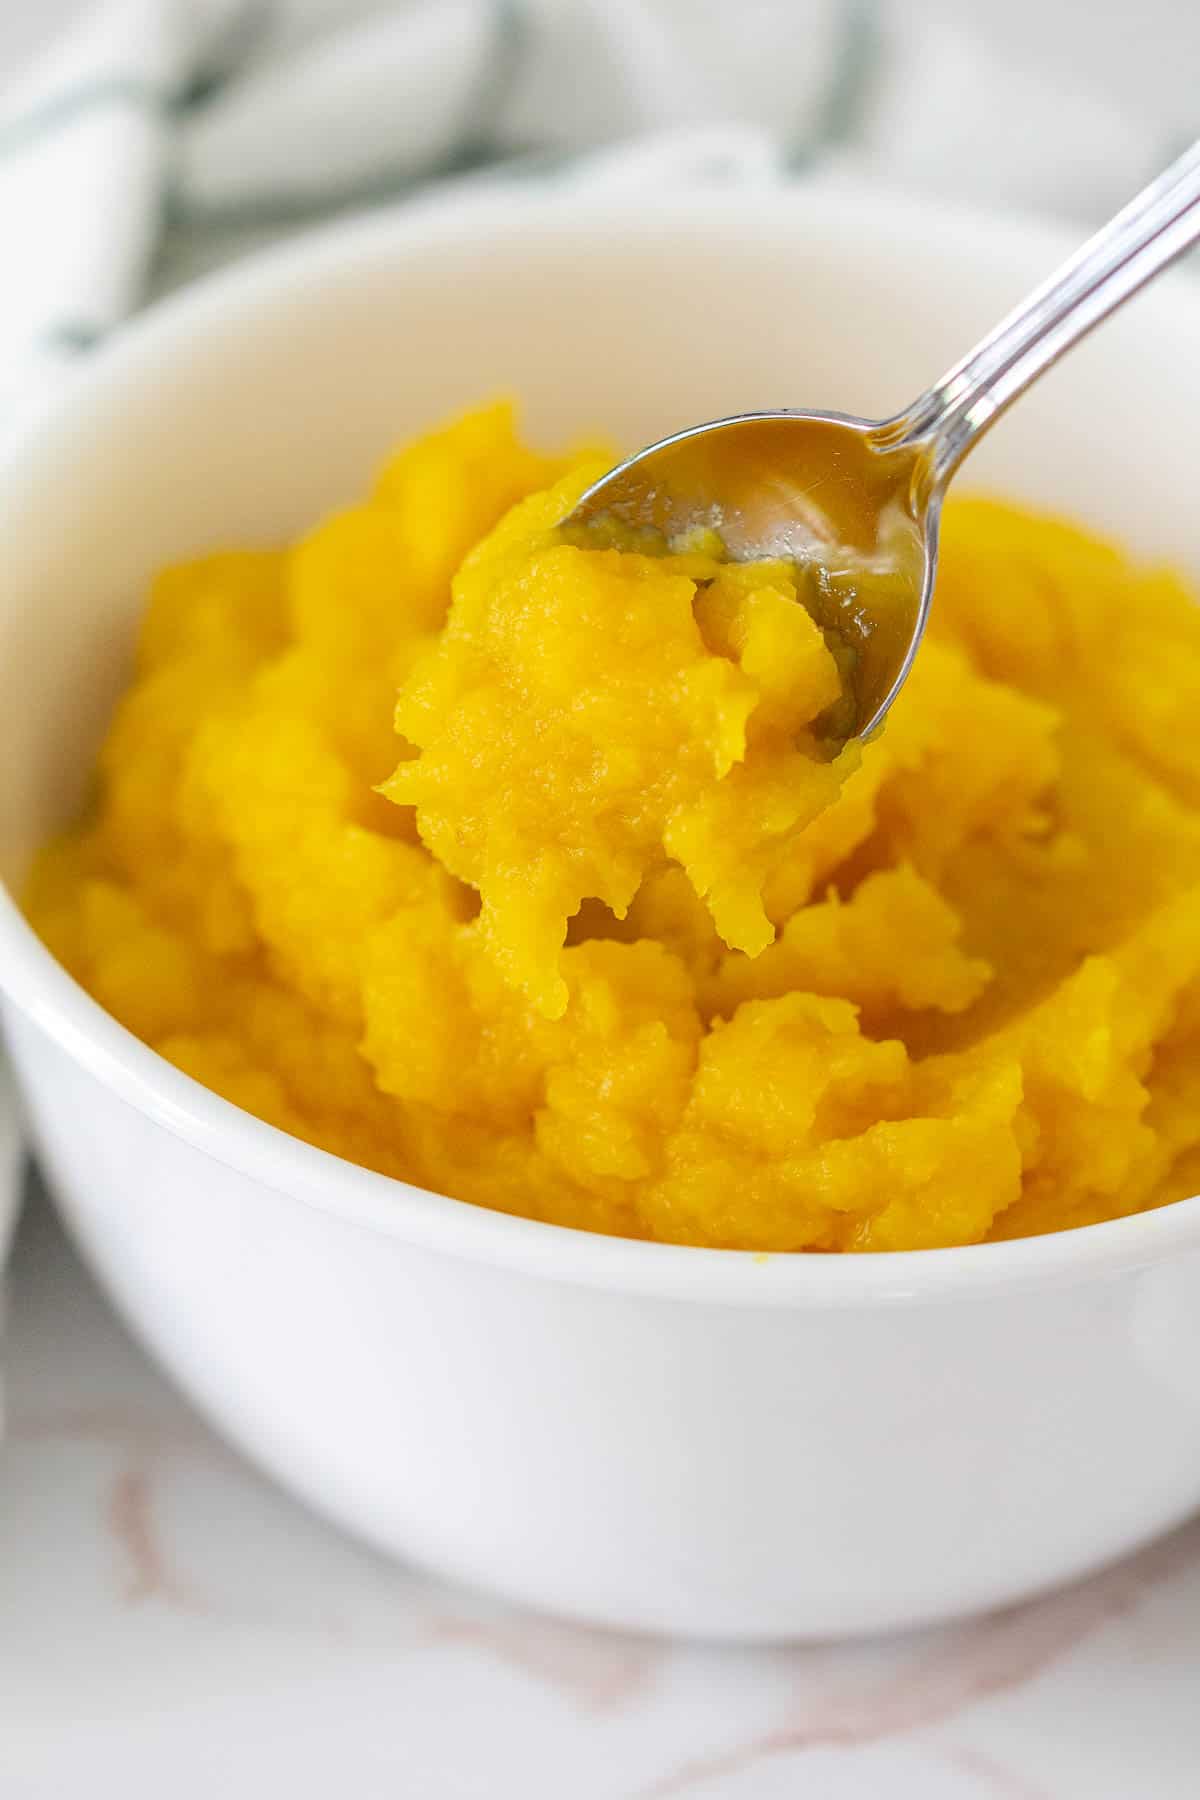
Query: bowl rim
[{"x": 37, "y": 986}]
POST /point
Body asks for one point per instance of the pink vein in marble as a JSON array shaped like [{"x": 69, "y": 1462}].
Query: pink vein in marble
[
  {"x": 595, "y": 1671},
  {"x": 599, "y": 1670},
  {"x": 142, "y": 1443},
  {"x": 992, "y": 1777},
  {"x": 131, "y": 1523},
  {"x": 967, "y": 1664}
]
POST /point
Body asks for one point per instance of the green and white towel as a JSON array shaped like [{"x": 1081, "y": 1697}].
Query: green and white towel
[{"x": 162, "y": 137}]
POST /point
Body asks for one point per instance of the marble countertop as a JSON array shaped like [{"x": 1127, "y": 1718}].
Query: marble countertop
[{"x": 172, "y": 1624}]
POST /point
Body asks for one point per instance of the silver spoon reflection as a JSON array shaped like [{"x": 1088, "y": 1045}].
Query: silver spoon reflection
[{"x": 858, "y": 501}]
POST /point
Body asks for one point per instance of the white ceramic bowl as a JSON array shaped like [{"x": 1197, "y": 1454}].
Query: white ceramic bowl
[{"x": 656, "y": 1437}]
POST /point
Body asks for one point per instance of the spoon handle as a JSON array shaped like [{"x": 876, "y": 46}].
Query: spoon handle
[{"x": 1144, "y": 237}]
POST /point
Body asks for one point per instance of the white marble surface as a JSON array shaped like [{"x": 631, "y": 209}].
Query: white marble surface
[{"x": 170, "y": 1624}]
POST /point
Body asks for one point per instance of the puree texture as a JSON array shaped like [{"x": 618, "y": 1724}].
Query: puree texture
[{"x": 595, "y": 922}]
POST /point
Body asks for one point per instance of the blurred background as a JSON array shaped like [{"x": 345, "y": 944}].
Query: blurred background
[
  {"x": 144, "y": 141},
  {"x": 1117, "y": 48},
  {"x": 1050, "y": 104},
  {"x": 1145, "y": 55}
]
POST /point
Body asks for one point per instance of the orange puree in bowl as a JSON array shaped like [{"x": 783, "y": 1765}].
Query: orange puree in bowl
[{"x": 532, "y": 874}]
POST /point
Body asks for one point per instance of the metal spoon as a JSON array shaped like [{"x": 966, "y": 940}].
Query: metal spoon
[{"x": 858, "y": 501}]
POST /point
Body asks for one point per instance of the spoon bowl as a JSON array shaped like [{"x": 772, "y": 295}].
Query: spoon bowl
[{"x": 843, "y": 498}]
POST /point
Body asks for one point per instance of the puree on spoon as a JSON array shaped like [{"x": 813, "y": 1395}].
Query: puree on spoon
[
  {"x": 588, "y": 714},
  {"x": 614, "y": 934}
]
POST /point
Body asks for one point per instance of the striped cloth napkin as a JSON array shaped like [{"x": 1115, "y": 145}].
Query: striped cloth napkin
[{"x": 160, "y": 138}]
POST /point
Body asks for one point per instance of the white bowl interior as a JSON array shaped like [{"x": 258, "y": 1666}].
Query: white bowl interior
[{"x": 247, "y": 410}]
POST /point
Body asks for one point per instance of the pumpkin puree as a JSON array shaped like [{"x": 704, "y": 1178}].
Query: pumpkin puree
[{"x": 612, "y": 934}]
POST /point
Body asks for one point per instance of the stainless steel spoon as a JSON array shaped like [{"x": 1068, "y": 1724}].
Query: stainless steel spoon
[{"x": 859, "y": 500}]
